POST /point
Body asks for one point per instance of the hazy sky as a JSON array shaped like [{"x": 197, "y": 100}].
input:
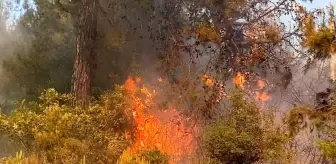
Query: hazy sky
[
  {"x": 310, "y": 5},
  {"x": 17, "y": 11},
  {"x": 318, "y": 3}
]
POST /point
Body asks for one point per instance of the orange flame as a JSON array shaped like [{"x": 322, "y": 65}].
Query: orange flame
[
  {"x": 239, "y": 80},
  {"x": 261, "y": 95},
  {"x": 207, "y": 81},
  {"x": 170, "y": 136},
  {"x": 261, "y": 84}
]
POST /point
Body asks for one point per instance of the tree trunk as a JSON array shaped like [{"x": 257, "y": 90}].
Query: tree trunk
[{"x": 85, "y": 52}]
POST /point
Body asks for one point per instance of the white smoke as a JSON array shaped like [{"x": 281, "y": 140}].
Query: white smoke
[{"x": 13, "y": 39}]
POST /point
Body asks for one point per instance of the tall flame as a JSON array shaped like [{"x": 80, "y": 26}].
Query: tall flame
[
  {"x": 262, "y": 96},
  {"x": 170, "y": 136}
]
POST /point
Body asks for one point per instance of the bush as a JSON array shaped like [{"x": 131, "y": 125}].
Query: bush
[
  {"x": 245, "y": 134},
  {"x": 58, "y": 132}
]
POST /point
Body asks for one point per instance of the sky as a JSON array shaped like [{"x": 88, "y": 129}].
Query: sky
[
  {"x": 16, "y": 9},
  {"x": 310, "y": 6},
  {"x": 318, "y": 4}
]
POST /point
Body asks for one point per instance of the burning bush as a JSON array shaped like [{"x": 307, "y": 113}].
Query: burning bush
[
  {"x": 53, "y": 130},
  {"x": 156, "y": 130}
]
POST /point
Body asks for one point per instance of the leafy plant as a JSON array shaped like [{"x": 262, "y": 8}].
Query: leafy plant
[
  {"x": 56, "y": 131},
  {"x": 245, "y": 134}
]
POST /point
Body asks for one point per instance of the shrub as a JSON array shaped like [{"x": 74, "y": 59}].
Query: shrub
[
  {"x": 245, "y": 134},
  {"x": 58, "y": 132}
]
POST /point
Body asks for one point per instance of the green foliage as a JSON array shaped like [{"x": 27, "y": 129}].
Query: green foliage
[
  {"x": 245, "y": 134},
  {"x": 55, "y": 131}
]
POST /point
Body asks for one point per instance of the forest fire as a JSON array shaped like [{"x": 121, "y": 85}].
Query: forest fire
[
  {"x": 213, "y": 81},
  {"x": 151, "y": 131}
]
